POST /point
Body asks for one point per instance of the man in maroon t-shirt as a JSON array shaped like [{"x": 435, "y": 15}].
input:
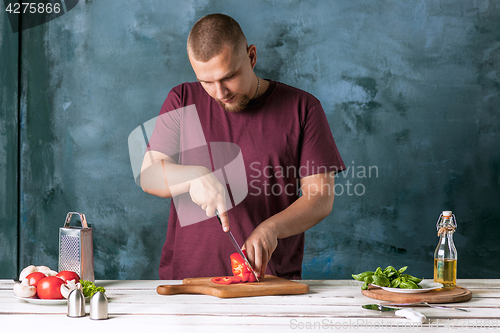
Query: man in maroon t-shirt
[{"x": 269, "y": 142}]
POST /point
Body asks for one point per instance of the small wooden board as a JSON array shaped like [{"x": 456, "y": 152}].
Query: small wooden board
[
  {"x": 269, "y": 285},
  {"x": 458, "y": 294}
]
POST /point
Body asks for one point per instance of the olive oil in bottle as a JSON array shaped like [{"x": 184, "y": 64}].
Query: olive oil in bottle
[
  {"x": 445, "y": 272},
  {"x": 445, "y": 256}
]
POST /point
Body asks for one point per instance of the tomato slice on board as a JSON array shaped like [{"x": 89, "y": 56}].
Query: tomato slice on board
[
  {"x": 225, "y": 280},
  {"x": 240, "y": 268}
]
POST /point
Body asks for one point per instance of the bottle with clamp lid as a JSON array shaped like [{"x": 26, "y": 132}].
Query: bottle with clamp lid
[{"x": 445, "y": 256}]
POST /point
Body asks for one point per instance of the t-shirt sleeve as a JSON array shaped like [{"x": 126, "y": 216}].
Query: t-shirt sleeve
[
  {"x": 165, "y": 136},
  {"x": 319, "y": 153}
]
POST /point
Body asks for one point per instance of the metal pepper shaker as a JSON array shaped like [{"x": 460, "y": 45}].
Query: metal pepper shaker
[
  {"x": 76, "y": 304},
  {"x": 99, "y": 306}
]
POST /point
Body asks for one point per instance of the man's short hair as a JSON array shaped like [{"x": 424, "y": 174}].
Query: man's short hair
[{"x": 211, "y": 33}]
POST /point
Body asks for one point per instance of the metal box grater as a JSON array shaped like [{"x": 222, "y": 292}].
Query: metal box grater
[{"x": 76, "y": 249}]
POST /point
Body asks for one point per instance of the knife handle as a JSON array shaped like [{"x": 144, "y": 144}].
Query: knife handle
[
  {"x": 218, "y": 216},
  {"x": 411, "y": 314}
]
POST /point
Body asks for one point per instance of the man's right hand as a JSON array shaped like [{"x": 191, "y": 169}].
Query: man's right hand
[{"x": 208, "y": 193}]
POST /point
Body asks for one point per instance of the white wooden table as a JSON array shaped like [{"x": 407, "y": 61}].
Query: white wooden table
[{"x": 134, "y": 306}]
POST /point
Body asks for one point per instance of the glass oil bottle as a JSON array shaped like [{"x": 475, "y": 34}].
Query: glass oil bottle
[{"x": 445, "y": 256}]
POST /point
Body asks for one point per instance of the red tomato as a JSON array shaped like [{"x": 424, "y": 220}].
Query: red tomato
[
  {"x": 50, "y": 288},
  {"x": 34, "y": 278},
  {"x": 68, "y": 276}
]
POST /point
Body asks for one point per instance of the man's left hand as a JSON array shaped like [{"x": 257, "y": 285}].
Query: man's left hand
[{"x": 260, "y": 246}]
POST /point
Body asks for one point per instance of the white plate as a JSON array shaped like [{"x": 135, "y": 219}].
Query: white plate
[
  {"x": 427, "y": 285},
  {"x": 36, "y": 300}
]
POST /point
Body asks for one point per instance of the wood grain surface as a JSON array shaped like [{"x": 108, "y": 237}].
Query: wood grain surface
[
  {"x": 458, "y": 294},
  {"x": 269, "y": 285}
]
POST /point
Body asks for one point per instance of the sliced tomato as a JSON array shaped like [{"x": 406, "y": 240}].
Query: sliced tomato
[{"x": 225, "y": 279}]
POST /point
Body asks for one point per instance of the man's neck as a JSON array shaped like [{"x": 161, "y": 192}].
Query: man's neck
[{"x": 264, "y": 84}]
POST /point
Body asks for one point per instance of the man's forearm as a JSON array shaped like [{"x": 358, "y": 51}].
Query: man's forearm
[
  {"x": 300, "y": 216},
  {"x": 162, "y": 177},
  {"x": 166, "y": 179},
  {"x": 313, "y": 206}
]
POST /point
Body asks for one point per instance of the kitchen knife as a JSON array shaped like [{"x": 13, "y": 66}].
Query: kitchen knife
[
  {"x": 237, "y": 247},
  {"x": 425, "y": 304},
  {"x": 407, "y": 312}
]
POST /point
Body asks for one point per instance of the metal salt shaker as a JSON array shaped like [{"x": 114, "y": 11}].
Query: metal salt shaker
[
  {"x": 76, "y": 304},
  {"x": 99, "y": 306}
]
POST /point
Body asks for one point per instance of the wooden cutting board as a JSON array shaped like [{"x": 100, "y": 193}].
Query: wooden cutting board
[
  {"x": 458, "y": 294},
  {"x": 269, "y": 285}
]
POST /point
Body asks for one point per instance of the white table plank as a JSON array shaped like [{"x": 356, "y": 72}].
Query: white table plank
[{"x": 330, "y": 304}]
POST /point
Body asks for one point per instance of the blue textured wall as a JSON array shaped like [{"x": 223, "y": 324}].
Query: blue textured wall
[
  {"x": 410, "y": 88},
  {"x": 8, "y": 148}
]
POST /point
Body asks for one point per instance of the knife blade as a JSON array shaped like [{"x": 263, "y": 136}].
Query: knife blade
[
  {"x": 379, "y": 307},
  {"x": 407, "y": 312},
  {"x": 237, "y": 247},
  {"x": 426, "y": 304}
]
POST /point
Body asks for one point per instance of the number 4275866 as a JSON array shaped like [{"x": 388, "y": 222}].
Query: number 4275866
[{"x": 33, "y": 7}]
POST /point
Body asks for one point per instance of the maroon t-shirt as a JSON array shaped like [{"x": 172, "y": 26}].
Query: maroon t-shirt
[{"x": 283, "y": 136}]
